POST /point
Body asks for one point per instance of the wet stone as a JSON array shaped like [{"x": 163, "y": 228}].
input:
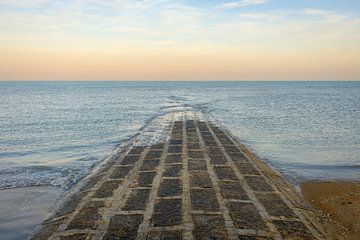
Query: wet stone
[
  {"x": 137, "y": 200},
  {"x": 175, "y": 149},
  {"x": 258, "y": 183},
  {"x": 232, "y": 190},
  {"x": 242, "y": 237},
  {"x": 173, "y": 158},
  {"x": 210, "y": 142},
  {"x": 167, "y": 212},
  {"x": 225, "y": 173},
  {"x": 200, "y": 179},
  {"x": 217, "y": 159},
  {"x": 91, "y": 182},
  {"x": 245, "y": 216},
  {"x": 146, "y": 179},
  {"x": 195, "y": 154},
  {"x": 87, "y": 216},
  {"x": 170, "y": 187},
  {"x": 123, "y": 227},
  {"x": 153, "y": 154},
  {"x": 238, "y": 157},
  {"x": 215, "y": 151},
  {"x": 175, "y": 142},
  {"x": 165, "y": 235},
  {"x": 204, "y": 199},
  {"x": 137, "y": 150},
  {"x": 107, "y": 188},
  {"x": 159, "y": 146},
  {"x": 173, "y": 170},
  {"x": 70, "y": 204},
  {"x": 47, "y": 229},
  {"x": 192, "y": 135},
  {"x": 192, "y": 140},
  {"x": 149, "y": 165},
  {"x": 120, "y": 172},
  {"x": 193, "y": 146},
  {"x": 246, "y": 168},
  {"x": 77, "y": 236},
  {"x": 274, "y": 205},
  {"x": 231, "y": 149},
  {"x": 209, "y": 227},
  {"x": 293, "y": 230},
  {"x": 199, "y": 165},
  {"x": 130, "y": 160}
]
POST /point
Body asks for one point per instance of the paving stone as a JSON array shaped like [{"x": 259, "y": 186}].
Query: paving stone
[
  {"x": 225, "y": 173},
  {"x": 197, "y": 165},
  {"x": 107, "y": 188},
  {"x": 293, "y": 230},
  {"x": 200, "y": 179},
  {"x": 175, "y": 149},
  {"x": 170, "y": 187},
  {"x": 193, "y": 146},
  {"x": 274, "y": 205},
  {"x": 173, "y": 158},
  {"x": 121, "y": 172},
  {"x": 241, "y": 237},
  {"x": 167, "y": 212},
  {"x": 231, "y": 149},
  {"x": 153, "y": 154},
  {"x": 165, "y": 235},
  {"x": 159, "y": 146},
  {"x": 176, "y": 142},
  {"x": 238, "y": 157},
  {"x": 137, "y": 150},
  {"x": 196, "y": 154},
  {"x": 137, "y": 200},
  {"x": 87, "y": 216},
  {"x": 146, "y": 179},
  {"x": 77, "y": 236},
  {"x": 47, "y": 229},
  {"x": 257, "y": 183},
  {"x": 232, "y": 190},
  {"x": 209, "y": 227},
  {"x": 70, "y": 204},
  {"x": 149, "y": 165},
  {"x": 123, "y": 227},
  {"x": 130, "y": 160},
  {"x": 217, "y": 159},
  {"x": 192, "y": 135},
  {"x": 204, "y": 199},
  {"x": 193, "y": 140},
  {"x": 246, "y": 168},
  {"x": 245, "y": 216},
  {"x": 173, "y": 170},
  {"x": 210, "y": 142},
  {"x": 215, "y": 151}
]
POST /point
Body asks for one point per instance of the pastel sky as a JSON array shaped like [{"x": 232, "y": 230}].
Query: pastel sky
[{"x": 179, "y": 40}]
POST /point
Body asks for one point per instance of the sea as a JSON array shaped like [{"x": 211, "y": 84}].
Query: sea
[{"x": 55, "y": 133}]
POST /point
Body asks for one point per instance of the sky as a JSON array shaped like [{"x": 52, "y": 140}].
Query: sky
[{"x": 179, "y": 40}]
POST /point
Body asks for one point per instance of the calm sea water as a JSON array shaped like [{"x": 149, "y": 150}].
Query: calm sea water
[{"x": 52, "y": 133}]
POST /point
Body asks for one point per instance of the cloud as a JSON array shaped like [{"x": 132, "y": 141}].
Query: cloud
[
  {"x": 328, "y": 16},
  {"x": 241, "y": 3}
]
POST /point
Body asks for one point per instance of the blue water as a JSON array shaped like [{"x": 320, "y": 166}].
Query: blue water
[{"x": 53, "y": 133}]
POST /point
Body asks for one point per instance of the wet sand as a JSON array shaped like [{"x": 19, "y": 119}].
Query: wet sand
[
  {"x": 340, "y": 203},
  {"x": 22, "y": 209}
]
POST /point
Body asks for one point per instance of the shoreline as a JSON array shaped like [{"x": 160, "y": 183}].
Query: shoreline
[
  {"x": 23, "y": 209},
  {"x": 339, "y": 204}
]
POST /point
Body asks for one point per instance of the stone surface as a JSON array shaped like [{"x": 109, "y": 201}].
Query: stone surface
[
  {"x": 167, "y": 212},
  {"x": 197, "y": 184}
]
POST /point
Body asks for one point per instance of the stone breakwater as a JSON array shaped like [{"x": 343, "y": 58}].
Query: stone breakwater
[{"x": 200, "y": 183}]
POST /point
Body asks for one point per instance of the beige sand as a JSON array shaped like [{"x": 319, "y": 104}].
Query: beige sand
[{"x": 340, "y": 202}]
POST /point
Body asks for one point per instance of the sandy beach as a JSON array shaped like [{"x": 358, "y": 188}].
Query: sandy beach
[{"x": 340, "y": 203}]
